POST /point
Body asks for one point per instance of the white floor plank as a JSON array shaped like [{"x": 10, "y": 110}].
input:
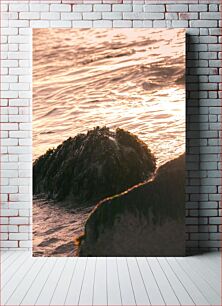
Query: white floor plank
[
  {"x": 38, "y": 283},
  {"x": 13, "y": 269},
  {"x": 211, "y": 260},
  {"x": 61, "y": 290},
  {"x": 180, "y": 291},
  {"x": 210, "y": 294},
  {"x": 190, "y": 286},
  {"x": 139, "y": 288},
  {"x": 165, "y": 287},
  {"x": 9, "y": 287},
  {"x": 47, "y": 291},
  {"x": 100, "y": 283},
  {"x": 73, "y": 293},
  {"x": 213, "y": 279},
  {"x": 10, "y": 261},
  {"x": 86, "y": 294},
  {"x": 150, "y": 282},
  {"x": 5, "y": 255},
  {"x": 112, "y": 281},
  {"x": 126, "y": 289},
  {"x": 113, "y": 285},
  {"x": 18, "y": 294}
]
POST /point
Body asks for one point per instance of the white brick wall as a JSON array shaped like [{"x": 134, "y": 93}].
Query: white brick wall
[{"x": 202, "y": 20}]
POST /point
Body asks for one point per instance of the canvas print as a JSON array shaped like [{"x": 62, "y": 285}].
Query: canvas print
[{"x": 108, "y": 142}]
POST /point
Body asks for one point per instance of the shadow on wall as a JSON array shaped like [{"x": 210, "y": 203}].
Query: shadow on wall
[{"x": 192, "y": 147}]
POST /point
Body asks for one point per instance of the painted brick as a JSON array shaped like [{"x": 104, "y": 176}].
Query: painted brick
[
  {"x": 147, "y": 23},
  {"x": 25, "y": 244},
  {"x": 4, "y": 7},
  {"x": 136, "y": 15},
  {"x": 187, "y": 16},
  {"x": 171, "y": 16},
  {"x": 9, "y": 244},
  {"x": 18, "y": 7},
  {"x": 112, "y": 15},
  {"x": 83, "y": 8},
  {"x": 82, "y": 24},
  {"x": 52, "y": 15},
  {"x": 204, "y": 31},
  {"x": 18, "y": 23},
  {"x": 122, "y": 7},
  {"x": 70, "y": 16},
  {"x": 18, "y": 236},
  {"x": 215, "y": 63},
  {"x": 92, "y": 15},
  {"x": 29, "y": 15},
  {"x": 197, "y": 7},
  {"x": 102, "y": 23},
  {"x": 102, "y": 7},
  {"x": 60, "y": 8},
  {"x": 60, "y": 24},
  {"x": 39, "y": 7},
  {"x": 24, "y": 229},
  {"x": 39, "y": 24},
  {"x": 203, "y": 23},
  {"x": 137, "y": 7},
  {"x": 177, "y": 8},
  {"x": 215, "y": 31},
  {"x": 154, "y": 8},
  {"x": 139, "y": 24},
  {"x": 215, "y": 220},
  {"x": 180, "y": 23},
  {"x": 207, "y": 15},
  {"x": 122, "y": 23}
]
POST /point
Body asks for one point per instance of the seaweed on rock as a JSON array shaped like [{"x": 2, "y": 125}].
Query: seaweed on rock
[{"x": 93, "y": 166}]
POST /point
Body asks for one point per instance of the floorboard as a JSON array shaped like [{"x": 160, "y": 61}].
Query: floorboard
[
  {"x": 18, "y": 277},
  {"x": 213, "y": 279},
  {"x": 23, "y": 286},
  {"x": 86, "y": 295},
  {"x": 10, "y": 261},
  {"x": 207, "y": 291},
  {"x": 153, "y": 290},
  {"x": 39, "y": 282},
  {"x": 141, "y": 295},
  {"x": 13, "y": 269},
  {"x": 73, "y": 293},
  {"x": 113, "y": 285},
  {"x": 100, "y": 283},
  {"x": 189, "y": 284},
  {"x": 63, "y": 284},
  {"x": 45, "y": 295},
  {"x": 193, "y": 280},
  {"x": 5, "y": 255},
  {"x": 211, "y": 261},
  {"x": 166, "y": 288},
  {"x": 126, "y": 289},
  {"x": 180, "y": 291}
]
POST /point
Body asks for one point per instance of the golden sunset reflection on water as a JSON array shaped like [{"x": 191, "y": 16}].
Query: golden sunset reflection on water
[{"x": 128, "y": 78}]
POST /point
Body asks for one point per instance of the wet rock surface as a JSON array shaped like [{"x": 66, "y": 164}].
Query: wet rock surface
[
  {"x": 146, "y": 220},
  {"x": 92, "y": 166}
]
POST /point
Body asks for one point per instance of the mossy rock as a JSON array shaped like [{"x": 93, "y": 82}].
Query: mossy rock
[
  {"x": 146, "y": 220},
  {"x": 93, "y": 166}
]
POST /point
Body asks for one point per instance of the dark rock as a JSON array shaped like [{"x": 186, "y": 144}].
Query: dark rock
[
  {"x": 92, "y": 166},
  {"x": 146, "y": 220}
]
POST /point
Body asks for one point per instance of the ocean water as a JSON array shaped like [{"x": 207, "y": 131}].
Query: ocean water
[{"x": 127, "y": 78}]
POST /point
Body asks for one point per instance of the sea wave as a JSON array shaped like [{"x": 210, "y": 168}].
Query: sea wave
[{"x": 127, "y": 78}]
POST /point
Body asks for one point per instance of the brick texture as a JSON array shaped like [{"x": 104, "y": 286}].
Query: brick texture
[{"x": 202, "y": 20}]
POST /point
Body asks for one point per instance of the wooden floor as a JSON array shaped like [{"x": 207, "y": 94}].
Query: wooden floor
[{"x": 193, "y": 280}]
